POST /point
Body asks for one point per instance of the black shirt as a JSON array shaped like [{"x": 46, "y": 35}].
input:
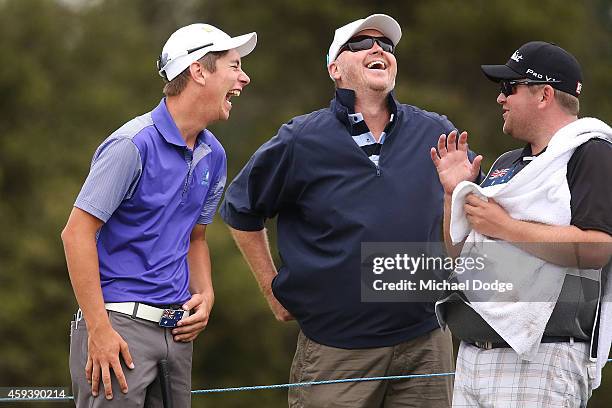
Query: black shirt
[{"x": 588, "y": 177}]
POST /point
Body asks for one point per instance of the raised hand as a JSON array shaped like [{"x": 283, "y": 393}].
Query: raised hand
[{"x": 452, "y": 162}]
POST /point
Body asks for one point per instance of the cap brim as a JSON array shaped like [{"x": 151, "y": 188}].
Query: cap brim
[
  {"x": 498, "y": 72},
  {"x": 244, "y": 44}
]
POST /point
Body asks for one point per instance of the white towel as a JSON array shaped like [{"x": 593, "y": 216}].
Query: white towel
[
  {"x": 538, "y": 193},
  {"x": 527, "y": 194}
]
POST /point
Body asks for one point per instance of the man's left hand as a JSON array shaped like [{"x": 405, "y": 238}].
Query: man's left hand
[
  {"x": 487, "y": 218},
  {"x": 190, "y": 327}
]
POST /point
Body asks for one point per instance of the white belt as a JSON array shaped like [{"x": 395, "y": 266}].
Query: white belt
[{"x": 139, "y": 310}]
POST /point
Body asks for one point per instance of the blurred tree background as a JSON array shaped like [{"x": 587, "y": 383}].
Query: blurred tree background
[{"x": 73, "y": 71}]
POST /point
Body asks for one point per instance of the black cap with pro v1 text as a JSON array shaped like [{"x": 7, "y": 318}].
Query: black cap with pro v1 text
[{"x": 540, "y": 61}]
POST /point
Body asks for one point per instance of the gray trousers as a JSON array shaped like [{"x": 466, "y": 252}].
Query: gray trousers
[{"x": 148, "y": 344}]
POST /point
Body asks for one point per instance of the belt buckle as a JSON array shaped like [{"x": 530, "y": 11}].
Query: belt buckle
[
  {"x": 170, "y": 317},
  {"x": 485, "y": 345}
]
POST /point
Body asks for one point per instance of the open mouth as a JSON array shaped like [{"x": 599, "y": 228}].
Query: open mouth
[
  {"x": 233, "y": 92},
  {"x": 377, "y": 64}
]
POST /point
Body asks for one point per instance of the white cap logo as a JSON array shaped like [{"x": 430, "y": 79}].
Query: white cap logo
[
  {"x": 578, "y": 87},
  {"x": 516, "y": 56}
]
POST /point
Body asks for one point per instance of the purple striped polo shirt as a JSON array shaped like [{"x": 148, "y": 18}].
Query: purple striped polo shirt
[{"x": 150, "y": 189}]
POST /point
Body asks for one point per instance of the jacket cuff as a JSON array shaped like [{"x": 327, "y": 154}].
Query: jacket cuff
[{"x": 240, "y": 221}]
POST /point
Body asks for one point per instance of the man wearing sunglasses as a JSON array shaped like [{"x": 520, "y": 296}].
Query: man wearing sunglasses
[
  {"x": 548, "y": 204},
  {"x": 355, "y": 172},
  {"x": 135, "y": 241}
]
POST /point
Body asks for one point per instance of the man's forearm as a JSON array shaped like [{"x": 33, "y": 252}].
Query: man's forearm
[
  {"x": 104, "y": 344},
  {"x": 256, "y": 251},
  {"x": 562, "y": 245},
  {"x": 82, "y": 261},
  {"x": 453, "y": 250},
  {"x": 200, "y": 276}
]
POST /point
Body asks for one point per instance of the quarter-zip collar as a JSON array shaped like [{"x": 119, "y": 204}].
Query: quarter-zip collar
[{"x": 344, "y": 104}]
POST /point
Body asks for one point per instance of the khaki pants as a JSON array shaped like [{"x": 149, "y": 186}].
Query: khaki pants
[
  {"x": 148, "y": 343},
  {"x": 430, "y": 353}
]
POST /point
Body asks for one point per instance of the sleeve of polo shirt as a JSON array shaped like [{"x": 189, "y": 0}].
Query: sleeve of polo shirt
[
  {"x": 262, "y": 187},
  {"x": 588, "y": 176},
  {"x": 214, "y": 194},
  {"x": 114, "y": 173}
]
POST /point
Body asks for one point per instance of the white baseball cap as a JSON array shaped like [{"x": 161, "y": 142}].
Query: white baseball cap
[
  {"x": 192, "y": 42},
  {"x": 381, "y": 22}
]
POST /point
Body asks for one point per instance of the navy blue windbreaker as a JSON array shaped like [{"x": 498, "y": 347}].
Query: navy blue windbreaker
[{"x": 329, "y": 198}]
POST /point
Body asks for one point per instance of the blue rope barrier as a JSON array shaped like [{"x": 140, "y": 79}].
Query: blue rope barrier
[
  {"x": 265, "y": 387},
  {"x": 307, "y": 384}
]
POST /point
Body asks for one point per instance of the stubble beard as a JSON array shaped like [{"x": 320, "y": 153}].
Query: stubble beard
[{"x": 360, "y": 83}]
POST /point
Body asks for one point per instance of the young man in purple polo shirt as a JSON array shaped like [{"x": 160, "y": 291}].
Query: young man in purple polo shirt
[{"x": 135, "y": 241}]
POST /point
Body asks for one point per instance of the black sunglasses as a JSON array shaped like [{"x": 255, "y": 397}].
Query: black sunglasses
[
  {"x": 508, "y": 87},
  {"x": 365, "y": 42},
  {"x": 162, "y": 60}
]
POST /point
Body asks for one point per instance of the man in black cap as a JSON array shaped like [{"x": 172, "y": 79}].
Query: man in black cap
[{"x": 549, "y": 201}]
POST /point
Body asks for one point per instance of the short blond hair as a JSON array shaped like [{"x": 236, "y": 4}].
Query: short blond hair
[
  {"x": 569, "y": 103},
  {"x": 176, "y": 86}
]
